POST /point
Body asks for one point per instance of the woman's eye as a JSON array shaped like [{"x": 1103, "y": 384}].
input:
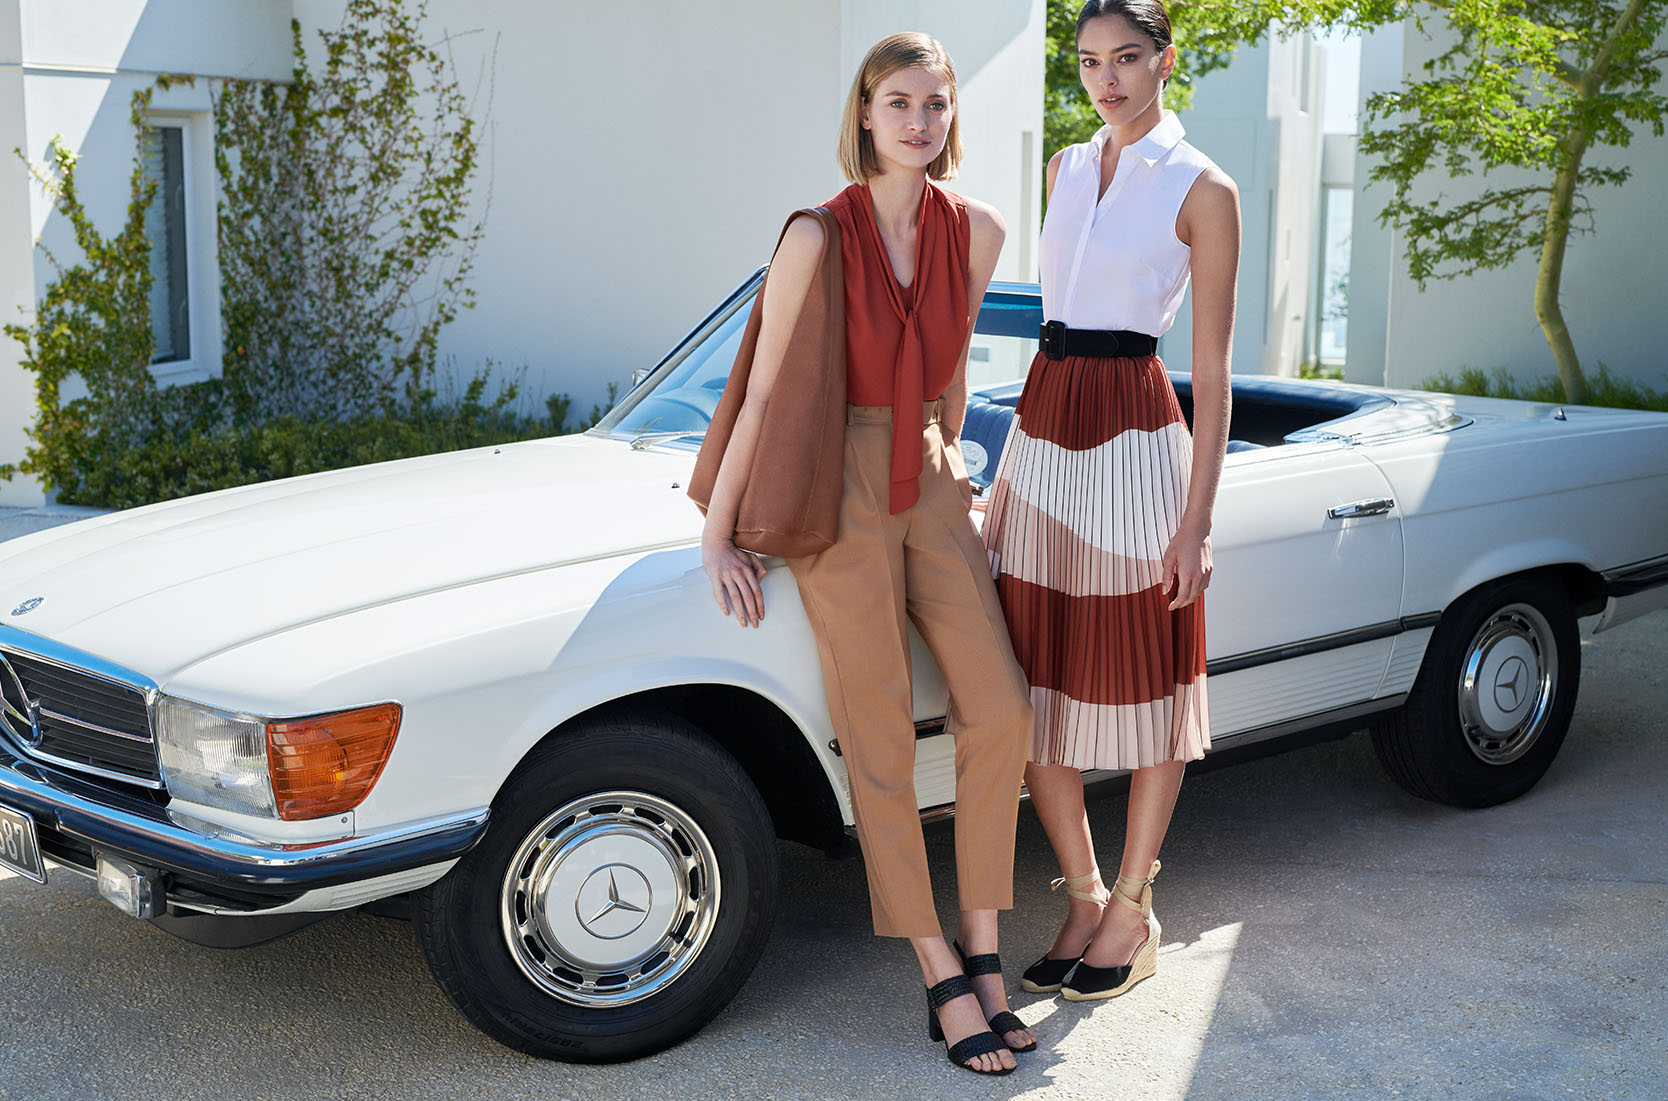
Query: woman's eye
[
  {"x": 1089, "y": 63},
  {"x": 938, "y": 106},
  {"x": 898, "y": 103},
  {"x": 1127, "y": 58}
]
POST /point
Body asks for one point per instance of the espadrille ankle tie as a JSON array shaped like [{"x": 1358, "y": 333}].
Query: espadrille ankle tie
[
  {"x": 1076, "y": 885},
  {"x": 1136, "y": 893}
]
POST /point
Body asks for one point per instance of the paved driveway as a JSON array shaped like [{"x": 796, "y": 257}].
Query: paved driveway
[{"x": 1326, "y": 936}]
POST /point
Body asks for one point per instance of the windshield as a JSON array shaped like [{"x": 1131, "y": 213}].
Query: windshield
[{"x": 675, "y": 403}]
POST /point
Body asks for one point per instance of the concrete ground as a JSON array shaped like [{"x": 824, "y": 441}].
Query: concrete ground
[{"x": 1326, "y": 936}]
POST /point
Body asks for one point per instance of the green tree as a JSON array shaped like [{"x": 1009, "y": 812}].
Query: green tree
[
  {"x": 1523, "y": 93},
  {"x": 1527, "y": 89}
]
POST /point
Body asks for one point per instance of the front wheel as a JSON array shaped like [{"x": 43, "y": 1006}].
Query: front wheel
[
  {"x": 622, "y": 894},
  {"x": 1493, "y": 699}
]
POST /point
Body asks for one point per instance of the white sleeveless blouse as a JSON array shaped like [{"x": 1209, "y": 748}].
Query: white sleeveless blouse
[{"x": 1116, "y": 263}]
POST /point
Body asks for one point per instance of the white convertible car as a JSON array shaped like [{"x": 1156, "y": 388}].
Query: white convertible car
[{"x": 494, "y": 682}]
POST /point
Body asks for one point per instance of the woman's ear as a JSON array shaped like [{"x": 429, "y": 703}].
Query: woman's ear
[
  {"x": 863, "y": 116},
  {"x": 1167, "y": 62}
]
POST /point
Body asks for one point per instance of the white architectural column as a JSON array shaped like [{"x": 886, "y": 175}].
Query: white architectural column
[
  {"x": 17, "y": 271},
  {"x": 1260, "y": 121},
  {"x": 1375, "y": 256}
]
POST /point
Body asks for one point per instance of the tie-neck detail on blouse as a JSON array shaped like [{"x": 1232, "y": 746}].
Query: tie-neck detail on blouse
[{"x": 903, "y": 342}]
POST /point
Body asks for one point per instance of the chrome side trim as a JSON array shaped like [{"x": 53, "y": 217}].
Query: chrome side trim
[
  {"x": 1636, "y": 577},
  {"x": 1321, "y": 643}
]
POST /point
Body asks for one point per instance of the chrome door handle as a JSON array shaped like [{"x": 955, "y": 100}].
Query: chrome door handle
[{"x": 1372, "y": 506}]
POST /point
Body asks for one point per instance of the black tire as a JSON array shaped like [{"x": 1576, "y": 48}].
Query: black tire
[
  {"x": 689, "y": 846},
  {"x": 1493, "y": 698}
]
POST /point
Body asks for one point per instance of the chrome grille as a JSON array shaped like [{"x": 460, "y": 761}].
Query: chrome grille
[{"x": 78, "y": 719}]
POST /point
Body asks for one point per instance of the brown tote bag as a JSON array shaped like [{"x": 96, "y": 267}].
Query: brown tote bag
[{"x": 791, "y": 503}]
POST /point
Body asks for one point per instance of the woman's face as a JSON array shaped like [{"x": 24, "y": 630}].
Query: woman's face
[
  {"x": 1121, "y": 68},
  {"x": 908, "y": 118}
]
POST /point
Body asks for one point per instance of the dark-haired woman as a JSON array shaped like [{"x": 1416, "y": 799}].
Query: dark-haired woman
[
  {"x": 1099, "y": 522},
  {"x": 916, "y": 260}
]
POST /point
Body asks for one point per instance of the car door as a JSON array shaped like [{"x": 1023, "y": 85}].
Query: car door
[{"x": 1303, "y": 606}]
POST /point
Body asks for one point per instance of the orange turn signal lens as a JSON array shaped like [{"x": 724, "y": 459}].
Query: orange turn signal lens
[{"x": 327, "y": 764}]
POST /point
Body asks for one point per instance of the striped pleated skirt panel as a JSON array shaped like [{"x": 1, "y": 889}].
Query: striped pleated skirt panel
[{"x": 1089, "y": 491}]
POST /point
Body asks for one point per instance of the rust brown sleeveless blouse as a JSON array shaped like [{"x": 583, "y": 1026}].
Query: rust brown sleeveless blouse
[{"x": 903, "y": 343}]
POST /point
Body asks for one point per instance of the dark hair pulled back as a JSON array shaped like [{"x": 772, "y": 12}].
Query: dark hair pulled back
[{"x": 1150, "y": 17}]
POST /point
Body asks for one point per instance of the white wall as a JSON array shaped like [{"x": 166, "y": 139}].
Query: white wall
[
  {"x": 70, "y": 70},
  {"x": 1612, "y": 285},
  {"x": 1260, "y": 121},
  {"x": 641, "y": 159}
]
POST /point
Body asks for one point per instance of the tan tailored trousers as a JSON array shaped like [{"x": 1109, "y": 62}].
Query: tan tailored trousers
[{"x": 926, "y": 565}]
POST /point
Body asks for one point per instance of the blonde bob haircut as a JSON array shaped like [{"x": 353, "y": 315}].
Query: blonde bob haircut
[{"x": 910, "y": 50}]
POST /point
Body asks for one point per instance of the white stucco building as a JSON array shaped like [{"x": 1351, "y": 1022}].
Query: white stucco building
[
  {"x": 640, "y": 159},
  {"x": 1260, "y": 121},
  {"x": 1611, "y": 292}
]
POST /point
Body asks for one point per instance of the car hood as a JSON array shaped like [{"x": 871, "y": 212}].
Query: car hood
[{"x": 159, "y": 588}]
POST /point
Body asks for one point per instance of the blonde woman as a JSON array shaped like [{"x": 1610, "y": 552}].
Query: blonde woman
[{"x": 916, "y": 261}]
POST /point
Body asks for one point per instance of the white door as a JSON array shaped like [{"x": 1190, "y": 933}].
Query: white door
[{"x": 1303, "y": 607}]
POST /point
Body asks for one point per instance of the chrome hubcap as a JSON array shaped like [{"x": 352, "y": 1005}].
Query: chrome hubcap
[
  {"x": 610, "y": 899},
  {"x": 1505, "y": 688}
]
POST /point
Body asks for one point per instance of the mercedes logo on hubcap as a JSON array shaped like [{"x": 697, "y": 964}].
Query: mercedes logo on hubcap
[
  {"x": 1509, "y": 684},
  {"x": 19, "y": 715},
  {"x": 613, "y": 902}
]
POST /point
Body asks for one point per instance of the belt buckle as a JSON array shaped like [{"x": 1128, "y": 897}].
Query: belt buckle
[{"x": 1053, "y": 339}]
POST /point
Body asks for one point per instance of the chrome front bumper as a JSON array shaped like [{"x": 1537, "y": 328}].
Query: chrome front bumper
[{"x": 76, "y": 819}]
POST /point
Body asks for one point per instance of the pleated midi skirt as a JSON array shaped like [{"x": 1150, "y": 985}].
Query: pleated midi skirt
[{"x": 1088, "y": 494}]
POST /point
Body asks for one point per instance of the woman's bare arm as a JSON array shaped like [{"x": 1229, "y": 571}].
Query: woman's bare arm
[
  {"x": 986, "y": 231},
  {"x": 1208, "y": 223},
  {"x": 734, "y": 573}
]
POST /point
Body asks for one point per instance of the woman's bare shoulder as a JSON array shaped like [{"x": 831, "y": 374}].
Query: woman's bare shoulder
[
  {"x": 1214, "y": 188},
  {"x": 984, "y": 223},
  {"x": 804, "y": 235}
]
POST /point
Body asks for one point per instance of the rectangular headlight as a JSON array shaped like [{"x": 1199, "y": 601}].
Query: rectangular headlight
[
  {"x": 217, "y": 758},
  {"x": 292, "y": 769}
]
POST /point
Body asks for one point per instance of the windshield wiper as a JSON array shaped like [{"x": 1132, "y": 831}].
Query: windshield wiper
[{"x": 649, "y": 439}]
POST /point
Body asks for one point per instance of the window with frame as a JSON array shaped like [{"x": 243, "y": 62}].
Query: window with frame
[{"x": 165, "y": 152}]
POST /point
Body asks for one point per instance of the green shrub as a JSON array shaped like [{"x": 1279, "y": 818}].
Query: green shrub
[
  {"x": 206, "y": 455},
  {"x": 1603, "y": 388}
]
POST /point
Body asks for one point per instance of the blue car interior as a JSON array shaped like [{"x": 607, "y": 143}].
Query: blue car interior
[{"x": 1265, "y": 410}]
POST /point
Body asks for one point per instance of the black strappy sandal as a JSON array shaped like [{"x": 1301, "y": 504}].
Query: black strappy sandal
[
  {"x": 962, "y": 1051},
  {"x": 1006, "y": 1021}
]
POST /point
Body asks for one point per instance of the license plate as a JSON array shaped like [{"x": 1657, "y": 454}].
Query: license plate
[{"x": 19, "y": 851}]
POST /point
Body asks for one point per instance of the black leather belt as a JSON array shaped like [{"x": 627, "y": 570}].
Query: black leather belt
[{"x": 1058, "y": 342}]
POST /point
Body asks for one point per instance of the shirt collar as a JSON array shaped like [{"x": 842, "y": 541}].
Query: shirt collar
[{"x": 1157, "y": 142}]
